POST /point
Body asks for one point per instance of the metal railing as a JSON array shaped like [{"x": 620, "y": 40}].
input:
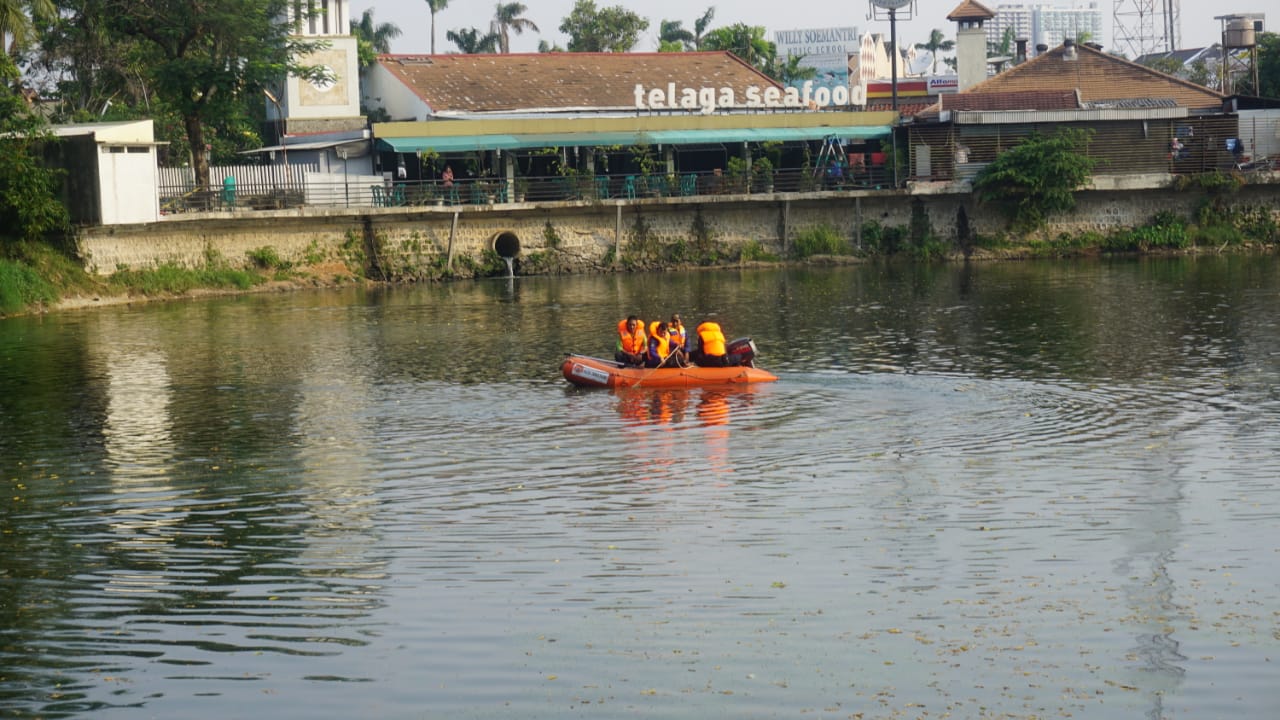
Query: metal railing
[
  {"x": 1180, "y": 146},
  {"x": 375, "y": 192}
]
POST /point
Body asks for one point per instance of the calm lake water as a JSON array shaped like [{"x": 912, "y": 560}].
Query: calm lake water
[{"x": 1017, "y": 490}]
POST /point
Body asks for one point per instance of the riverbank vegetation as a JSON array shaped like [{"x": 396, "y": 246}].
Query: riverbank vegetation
[{"x": 37, "y": 276}]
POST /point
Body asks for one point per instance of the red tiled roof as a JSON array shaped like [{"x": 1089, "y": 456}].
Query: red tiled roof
[
  {"x": 970, "y": 10},
  {"x": 1015, "y": 100},
  {"x": 1098, "y": 77},
  {"x": 910, "y": 108},
  {"x": 497, "y": 82}
]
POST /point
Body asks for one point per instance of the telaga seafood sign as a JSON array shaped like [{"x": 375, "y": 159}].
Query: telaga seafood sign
[{"x": 708, "y": 100}]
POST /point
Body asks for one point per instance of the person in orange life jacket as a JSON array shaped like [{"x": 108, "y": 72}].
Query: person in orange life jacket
[
  {"x": 631, "y": 347},
  {"x": 679, "y": 337},
  {"x": 675, "y": 344},
  {"x": 710, "y": 350},
  {"x": 660, "y": 348}
]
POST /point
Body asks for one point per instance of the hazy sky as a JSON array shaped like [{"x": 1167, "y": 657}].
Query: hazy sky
[{"x": 1198, "y": 26}]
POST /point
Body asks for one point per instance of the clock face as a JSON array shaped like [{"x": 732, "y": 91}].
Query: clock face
[{"x": 891, "y": 4}]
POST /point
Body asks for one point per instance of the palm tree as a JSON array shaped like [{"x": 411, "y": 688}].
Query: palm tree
[
  {"x": 700, "y": 27},
  {"x": 672, "y": 35},
  {"x": 790, "y": 71},
  {"x": 435, "y": 6},
  {"x": 471, "y": 42},
  {"x": 378, "y": 35},
  {"x": 746, "y": 41},
  {"x": 506, "y": 19},
  {"x": 17, "y": 24},
  {"x": 935, "y": 45}
]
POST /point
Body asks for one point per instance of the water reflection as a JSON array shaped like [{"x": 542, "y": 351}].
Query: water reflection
[{"x": 1004, "y": 490}]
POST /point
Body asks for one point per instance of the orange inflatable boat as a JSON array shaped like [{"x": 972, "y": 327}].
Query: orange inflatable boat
[{"x": 593, "y": 372}]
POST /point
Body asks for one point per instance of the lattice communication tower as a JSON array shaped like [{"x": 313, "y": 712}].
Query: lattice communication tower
[{"x": 1143, "y": 27}]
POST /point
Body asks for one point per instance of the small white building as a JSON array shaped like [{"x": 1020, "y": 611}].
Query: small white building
[{"x": 111, "y": 171}]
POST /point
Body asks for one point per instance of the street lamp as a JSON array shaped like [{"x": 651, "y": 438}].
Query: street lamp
[
  {"x": 346, "y": 184},
  {"x": 280, "y": 130},
  {"x": 893, "y": 6}
]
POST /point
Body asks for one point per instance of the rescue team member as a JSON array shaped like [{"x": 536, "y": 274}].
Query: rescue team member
[
  {"x": 675, "y": 329},
  {"x": 675, "y": 348},
  {"x": 711, "y": 348},
  {"x": 631, "y": 346},
  {"x": 659, "y": 346}
]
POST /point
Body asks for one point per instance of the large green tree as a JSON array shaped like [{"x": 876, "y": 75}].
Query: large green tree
[
  {"x": 29, "y": 207},
  {"x": 611, "y": 29},
  {"x": 1037, "y": 177},
  {"x": 672, "y": 37},
  {"x": 83, "y": 69},
  {"x": 701, "y": 25},
  {"x": 435, "y": 6},
  {"x": 206, "y": 58},
  {"x": 471, "y": 42},
  {"x": 373, "y": 37},
  {"x": 506, "y": 20},
  {"x": 746, "y": 41},
  {"x": 1268, "y": 69},
  {"x": 17, "y": 26}
]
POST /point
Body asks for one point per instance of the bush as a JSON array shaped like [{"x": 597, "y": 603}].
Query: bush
[
  {"x": 885, "y": 240},
  {"x": 1218, "y": 236},
  {"x": 820, "y": 240},
  {"x": 754, "y": 251},
  {"x": 21, "y": 287},
  {"x": 266, "y": 258},
  {"x": 1164, "y": 230},
  {"x": 1037, "y": 177}
]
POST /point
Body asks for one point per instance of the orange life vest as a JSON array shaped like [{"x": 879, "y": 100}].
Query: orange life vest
[
  {"x": 659, "y": 346},
  {"x": 711, "y": 339},
  {"x": 676, "y": 331},
  {"x": 634, "y": 343}
]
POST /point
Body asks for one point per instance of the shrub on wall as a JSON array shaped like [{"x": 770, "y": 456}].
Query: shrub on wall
[
  {"x": 1037, "y": 177},
  {"x": 1163, "y": 231},
  {"x": 819, "y": 240}
]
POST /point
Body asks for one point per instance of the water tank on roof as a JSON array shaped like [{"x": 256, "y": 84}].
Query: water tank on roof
[{"x": 1239, "y": 34}]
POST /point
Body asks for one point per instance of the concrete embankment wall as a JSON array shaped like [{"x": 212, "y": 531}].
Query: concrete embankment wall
[{"x": 395, "y": 241}]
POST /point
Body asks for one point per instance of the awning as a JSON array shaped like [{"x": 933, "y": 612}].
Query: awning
[
  {"x": 317, "y": 145},
  {"x": 463, "y": 143}
]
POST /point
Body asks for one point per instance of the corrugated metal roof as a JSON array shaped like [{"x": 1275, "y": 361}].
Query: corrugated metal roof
[{"x": 1018, "y": 117}]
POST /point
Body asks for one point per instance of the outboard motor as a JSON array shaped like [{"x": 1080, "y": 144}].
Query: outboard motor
[{"x": 741, "y": 352}]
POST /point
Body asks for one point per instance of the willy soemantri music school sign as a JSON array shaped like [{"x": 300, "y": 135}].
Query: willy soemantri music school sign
[{"x": 708, "y": 100}]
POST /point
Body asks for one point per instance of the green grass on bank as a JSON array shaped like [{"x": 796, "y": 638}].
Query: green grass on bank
[
  {"x": 36, "y": 275},
  {"x": 174, "y": 280}
]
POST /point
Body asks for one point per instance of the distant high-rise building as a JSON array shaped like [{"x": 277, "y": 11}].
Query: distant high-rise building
[{"x": 1045, "y": 24}]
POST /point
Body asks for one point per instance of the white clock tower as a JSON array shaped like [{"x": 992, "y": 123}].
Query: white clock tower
[{"x": 323, "y": 106}]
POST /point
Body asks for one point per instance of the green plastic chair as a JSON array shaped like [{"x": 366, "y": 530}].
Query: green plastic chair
[
  {"x": 629, "y": 186},
  {"x": 379, "y": 197},
  {"x": 602, "y": 187}
]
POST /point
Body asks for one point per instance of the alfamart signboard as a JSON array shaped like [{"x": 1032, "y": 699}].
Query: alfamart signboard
[{"x": 707, "y": 99}]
